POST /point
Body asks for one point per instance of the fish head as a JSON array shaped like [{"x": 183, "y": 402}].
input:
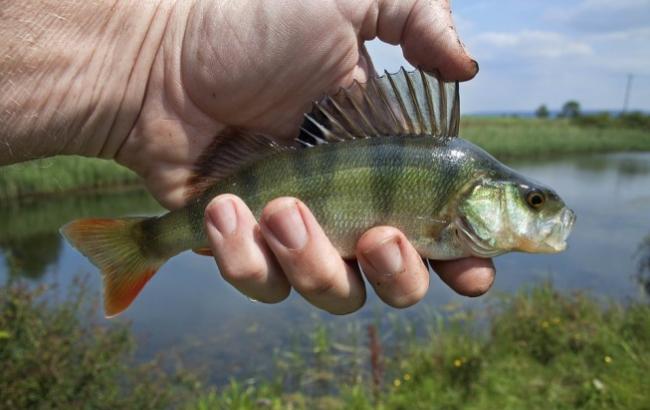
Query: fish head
[{"x": 499, "y": 216}]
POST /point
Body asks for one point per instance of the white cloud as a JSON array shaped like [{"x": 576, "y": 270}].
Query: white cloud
[
  {"x": 528, "y": 43},
  {"x": 584, "y": 52}
]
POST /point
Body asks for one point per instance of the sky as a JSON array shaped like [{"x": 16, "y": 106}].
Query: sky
[{"x": 534, "y": 52}]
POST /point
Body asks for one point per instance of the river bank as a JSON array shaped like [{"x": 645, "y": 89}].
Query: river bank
[{"x": 539, "y": 348}]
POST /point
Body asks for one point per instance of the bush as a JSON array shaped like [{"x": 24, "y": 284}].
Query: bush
[
  {"x": 542, "y": 112},
  {"x": 570, "y": 109},
  {"x": 635, "y": 120},
  {"x": 54, "y": 355}
]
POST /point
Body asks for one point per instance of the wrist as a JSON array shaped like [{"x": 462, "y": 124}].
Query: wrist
[{"x": 75, "y": 79}]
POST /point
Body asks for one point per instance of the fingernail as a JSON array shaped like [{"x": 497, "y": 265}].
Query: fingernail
[
  {"x": 223, "y": 216},
  {"x": 475, "y": 66},
  {"x": 287, "y": 226},
  {"x": 386, "y": 257}
]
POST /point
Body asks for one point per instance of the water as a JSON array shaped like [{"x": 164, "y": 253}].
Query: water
[{"x": 189, "y": 310}]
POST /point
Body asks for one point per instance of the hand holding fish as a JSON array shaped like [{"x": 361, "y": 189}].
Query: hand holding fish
[
  {"x": 253, "y": 65},
  {"x": 187, "y": 73}
]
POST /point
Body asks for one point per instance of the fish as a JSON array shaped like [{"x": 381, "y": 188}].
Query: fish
[{"x": 387, "y": 152}]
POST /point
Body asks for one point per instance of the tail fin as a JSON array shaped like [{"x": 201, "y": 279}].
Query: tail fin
[{"x": 113, "y": 246}]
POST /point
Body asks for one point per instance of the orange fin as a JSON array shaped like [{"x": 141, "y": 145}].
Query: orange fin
[
  {"x": 112, "y": 245},
  {"x": 203, "y": 251}
]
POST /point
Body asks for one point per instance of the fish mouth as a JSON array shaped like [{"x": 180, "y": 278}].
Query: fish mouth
[
  {"x": 472, "y": 241},
  {"x": 556, "y": 240}
]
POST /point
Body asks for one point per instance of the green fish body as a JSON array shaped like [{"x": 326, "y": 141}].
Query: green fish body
[
  {"x": 410, "y": 183},
  {"x": 383, "y": 154}
]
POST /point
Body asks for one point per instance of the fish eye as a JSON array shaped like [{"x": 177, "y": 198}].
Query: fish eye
[{"x": 535, "y": 198}]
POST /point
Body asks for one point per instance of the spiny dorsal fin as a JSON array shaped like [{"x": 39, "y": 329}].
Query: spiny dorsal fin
[
  {"x": 404, "y": 103},
  {"x": 231, "y": 151}
]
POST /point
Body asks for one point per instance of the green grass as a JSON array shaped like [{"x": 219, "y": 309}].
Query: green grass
[
  {"x": 536, "y": 350},
  {"x": 57, "y": 356},
  {"x": 63, "y": 174},
  {"x": 508, "y": 138},
  {"x": 505, "y": 138}
]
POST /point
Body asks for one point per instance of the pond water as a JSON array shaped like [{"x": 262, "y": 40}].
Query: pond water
[{"x": 189, "y": 310}]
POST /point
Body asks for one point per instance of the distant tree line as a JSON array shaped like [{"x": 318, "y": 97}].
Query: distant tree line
[{"x": 571, "y": 111}]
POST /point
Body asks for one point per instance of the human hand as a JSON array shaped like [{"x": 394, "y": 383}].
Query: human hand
[{"x": 259, "y": 66}]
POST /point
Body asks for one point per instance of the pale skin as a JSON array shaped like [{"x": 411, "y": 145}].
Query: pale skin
[{"x": 150, "y": 84}]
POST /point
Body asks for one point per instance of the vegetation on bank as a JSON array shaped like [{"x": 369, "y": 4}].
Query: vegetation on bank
[
  {"x": 539, "y": 349},
  {"x": 503, "y": 137},
  {"x": 535, "y": 350},
  {"x": 508, "y": 138},
  {"x": 63, "y": 174},
  {"x": 55, "y": 355}
]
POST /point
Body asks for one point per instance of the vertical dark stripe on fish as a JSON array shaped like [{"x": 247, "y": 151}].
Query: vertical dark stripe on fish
[
  {"x": 387, "y": 168},
  {"x": 448, "y": 174},
  {"x": 249, "y": 184},
  {"x": 150, "y": 229}
]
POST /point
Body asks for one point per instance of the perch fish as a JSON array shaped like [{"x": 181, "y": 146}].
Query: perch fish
[{"x": 382, "y": 153}]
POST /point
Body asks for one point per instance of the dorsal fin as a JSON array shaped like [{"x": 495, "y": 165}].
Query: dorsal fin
[
  {"x": 400, "y": 104},
  {"x": 234, "y": 149},
  {"x": 404, "y": 103}
]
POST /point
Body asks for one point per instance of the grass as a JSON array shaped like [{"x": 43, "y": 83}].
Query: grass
[
  {"x": 503, "y": 137},
  {"x": 537, "y": 349},
  {"x": 62, "y": 174},
  {"x": 507, "y": 138},
  {"x": 56, "y": 356}
]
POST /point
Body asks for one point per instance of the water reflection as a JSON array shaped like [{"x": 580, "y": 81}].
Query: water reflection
[
  {"x": 30, "y": 256},
  {"x": 643, "y": 266},
  {"x": 29, "y": 240},
  {"x": 623, "y": 164}
]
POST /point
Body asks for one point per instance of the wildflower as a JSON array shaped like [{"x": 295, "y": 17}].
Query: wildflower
[
  {"x": 397, "y": 382},
  {"x": 607, "y": 359},
  {"x": 598, "y": 384},
  {"x": 407, "y": 377},
  {"x": 458, "y": 363},
  {"x": 545, "y": 324},
  {"x": 556, "y": 320}
]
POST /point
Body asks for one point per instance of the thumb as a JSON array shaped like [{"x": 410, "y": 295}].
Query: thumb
[{"x": 428, "y": 36}]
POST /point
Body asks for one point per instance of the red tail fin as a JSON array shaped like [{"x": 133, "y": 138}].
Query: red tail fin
[{"x": 112, "y": 246}]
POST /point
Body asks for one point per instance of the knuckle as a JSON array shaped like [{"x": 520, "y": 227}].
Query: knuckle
[
  {"x": 318, "y": 280},
  {"x": 316, "y": 285},
  {"x": 251, "y": 271}
]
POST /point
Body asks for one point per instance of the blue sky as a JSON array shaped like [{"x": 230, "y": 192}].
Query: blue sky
[{"x": 533, "y": 52}]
